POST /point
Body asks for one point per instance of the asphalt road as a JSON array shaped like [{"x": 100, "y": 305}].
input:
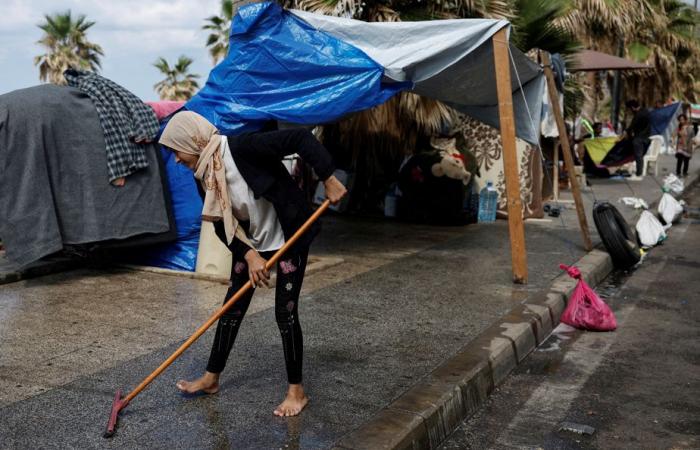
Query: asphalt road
[{"x": 636, "y": 388}]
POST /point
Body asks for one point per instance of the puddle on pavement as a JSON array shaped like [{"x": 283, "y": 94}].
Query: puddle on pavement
[
  {"x": 520, "y": 294},
  {"x": 610, "y": 286},
  {"x": 692, "y": 214},
  {"x": 293, "y": 433}
]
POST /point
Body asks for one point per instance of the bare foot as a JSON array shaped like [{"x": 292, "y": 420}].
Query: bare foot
[
  {"x": 295, "y": 401},
  {"x": 207, "y": 383}
]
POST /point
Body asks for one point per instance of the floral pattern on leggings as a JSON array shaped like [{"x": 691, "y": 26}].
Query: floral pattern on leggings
[{"x": 290, "y": 275}]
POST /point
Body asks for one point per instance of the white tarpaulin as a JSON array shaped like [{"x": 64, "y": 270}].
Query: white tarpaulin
[{"x": 447, "y": 60}]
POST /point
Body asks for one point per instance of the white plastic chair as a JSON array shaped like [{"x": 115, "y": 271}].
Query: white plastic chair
[{"x": 652, "y": 155}]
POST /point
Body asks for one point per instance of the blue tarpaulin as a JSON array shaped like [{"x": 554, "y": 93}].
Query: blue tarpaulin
[
  {"x": 305, "y": 68},
  {"x": 281, "y": 68},
  {"x": 187, "y": 211},
  {"x": 662, "y": 118},
  {"x": 664, "y": 122}
]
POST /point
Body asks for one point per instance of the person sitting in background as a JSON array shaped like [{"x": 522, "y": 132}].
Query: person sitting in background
[
  {"x": 590, "y": 133},
  {"x": 607, "y": 130}
]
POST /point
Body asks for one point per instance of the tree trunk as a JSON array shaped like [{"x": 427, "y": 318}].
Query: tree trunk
[
  {"x": 588, "y": 109},
  {"x": 237, "y": 4}
]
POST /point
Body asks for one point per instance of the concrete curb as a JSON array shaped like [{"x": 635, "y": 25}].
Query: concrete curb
[{"x": 426, "y": 415}]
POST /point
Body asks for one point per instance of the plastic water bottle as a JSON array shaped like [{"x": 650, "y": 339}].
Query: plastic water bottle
[{"x": 488, "y": 202}]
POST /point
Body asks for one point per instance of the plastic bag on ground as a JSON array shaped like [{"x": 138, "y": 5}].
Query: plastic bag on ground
[
  {"x": 670, "y": 209},
  {"x": 673, "y": 184},
  {"x": 586, "y": 310},
  {"x": 649, "y": 230},
  {"x": 635, "y": 202}
]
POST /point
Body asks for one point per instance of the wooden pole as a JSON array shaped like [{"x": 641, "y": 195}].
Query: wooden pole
[
  {"x": 555, "y": 171},
  {"x": 516, "y": 227},
  {"x": 566, "y": 151}
]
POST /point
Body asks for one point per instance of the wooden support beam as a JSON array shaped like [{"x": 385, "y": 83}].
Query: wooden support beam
[
  {"x": 566, "y": 151},
  {"x": 555, "y": 171},
  {"x": 510, "y": 159}
]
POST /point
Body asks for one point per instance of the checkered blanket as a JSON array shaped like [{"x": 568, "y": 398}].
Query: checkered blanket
[{"x": 125, "y": 120}]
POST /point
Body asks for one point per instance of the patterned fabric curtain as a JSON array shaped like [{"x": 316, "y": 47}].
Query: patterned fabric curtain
[{"x": 485, "y": 142}]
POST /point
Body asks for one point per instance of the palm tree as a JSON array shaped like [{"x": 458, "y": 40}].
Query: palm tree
[
  {"x": 178, "y": 83},
  {"x": 536, "y": 26},
  {"x": 599, "y": 23},
  {"x": 220, "y": 29},
  {"x": 657, "y": 32},
  {"x": 66, "y": 46},
  {"x": 669, "y": 45}
]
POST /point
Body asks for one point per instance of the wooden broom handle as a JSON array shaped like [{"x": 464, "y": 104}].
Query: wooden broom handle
[{"x": 229, "y": 303}]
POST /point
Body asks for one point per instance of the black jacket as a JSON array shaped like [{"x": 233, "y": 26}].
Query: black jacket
[
  {"x": 640, "y": 127},
  {"x": 258, "y": 157}
]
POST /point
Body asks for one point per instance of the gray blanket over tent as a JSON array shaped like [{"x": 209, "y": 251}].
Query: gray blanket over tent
[{"x": 54, "y": 187}]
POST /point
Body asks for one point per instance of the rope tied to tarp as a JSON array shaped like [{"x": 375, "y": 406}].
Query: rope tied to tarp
[{"x": 569, "y": 244}]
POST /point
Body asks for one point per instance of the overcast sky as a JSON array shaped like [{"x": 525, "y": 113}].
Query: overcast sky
[{"x": 132, "y": 33}]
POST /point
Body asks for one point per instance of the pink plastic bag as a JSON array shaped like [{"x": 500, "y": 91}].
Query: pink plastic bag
[{"x": 585, "y": 309}]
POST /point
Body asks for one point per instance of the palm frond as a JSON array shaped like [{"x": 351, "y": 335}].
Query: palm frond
[
  {"x": 178, "y": 83},
  {"x": 220, "y": 28},
  {"x": 535, "y": 27},
  {"x": 488, "y": 9},
  {"x": 66, "y": 46},
  {"x": 574, "y": 97}
]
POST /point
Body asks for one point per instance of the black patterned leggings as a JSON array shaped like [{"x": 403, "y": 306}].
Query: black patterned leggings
[{"x": 290, "y": 275}]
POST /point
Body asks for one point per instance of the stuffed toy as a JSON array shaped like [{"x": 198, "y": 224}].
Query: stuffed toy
[
  {"x": 456, "y": 146},
  {"x": 451, "y": 164}
]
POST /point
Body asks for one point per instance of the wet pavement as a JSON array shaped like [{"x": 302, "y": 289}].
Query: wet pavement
[
  {"x": 368, "y": 338},
  {"x": 404, "y": 299},
  {"x": 636, "y": 387}
]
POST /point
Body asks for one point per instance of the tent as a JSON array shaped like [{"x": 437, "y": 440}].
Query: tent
[{"x": 306, "y": 68}]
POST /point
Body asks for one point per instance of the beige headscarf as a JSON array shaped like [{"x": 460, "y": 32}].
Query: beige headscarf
[{"x": 190, "y": 133}]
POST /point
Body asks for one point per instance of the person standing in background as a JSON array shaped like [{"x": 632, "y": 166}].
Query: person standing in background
[
  {"x": 638, "y": 133},
  {"x": 684, "y": 145}
]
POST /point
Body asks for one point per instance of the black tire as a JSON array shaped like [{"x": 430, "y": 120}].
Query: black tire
[{"x": 618, "y": 237}]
